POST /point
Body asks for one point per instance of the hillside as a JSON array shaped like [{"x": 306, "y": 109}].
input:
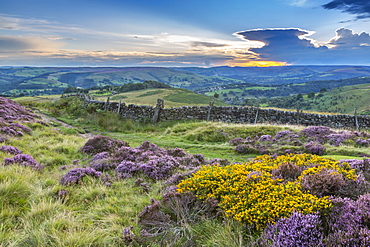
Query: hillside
[
  {"x": 35, "y": 81},
  {"x": 153, "y": 185},
  {"x": 283, "y": 74},
  {"x": 339, "y": 100},
  {"x": 44, "y": 80},
  {"x": 173, "y": 97}
]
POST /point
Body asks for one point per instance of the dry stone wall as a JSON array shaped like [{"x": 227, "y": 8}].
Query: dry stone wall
[{"x": 234, "y": 114}]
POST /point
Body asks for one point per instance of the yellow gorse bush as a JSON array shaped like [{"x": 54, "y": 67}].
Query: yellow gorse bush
[{"x": 249, "y": 193}]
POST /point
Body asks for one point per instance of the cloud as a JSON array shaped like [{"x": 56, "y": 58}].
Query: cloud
[
  {"x": 20, "y": 44},
  {"x": 294, "y": 46},
  {"x": 207, "y": 44},
  {"x": 289, "y": 45},
  {"x": 360, "y": 8},
  {"x": 347, "y": 39}
]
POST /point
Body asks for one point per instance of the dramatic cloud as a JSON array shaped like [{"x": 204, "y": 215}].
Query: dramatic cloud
[
  {"x": 285, "y": 45},
  {"x": 360, "y": 8},
  {"x": 347, "y": 39},
  {"x": 294, "y": 47}
]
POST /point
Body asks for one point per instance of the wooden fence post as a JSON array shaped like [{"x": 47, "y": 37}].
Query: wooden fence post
[
  {"x": 209, "y": 109},
  {"x": 119, "y": 106},
  {"x": 256, "y": 118},
  {"x": 106, "y": 104},
  {"x": 356, "y": 120},
  {"x": 157, "y": 110}
]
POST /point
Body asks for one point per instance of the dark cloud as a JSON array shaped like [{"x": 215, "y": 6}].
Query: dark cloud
[
  {"x": 207, "y": 44},
  {"x": 294, "y": 47},
  {"x": 285, "y": 45},
  {"x": 360, "y": 8}
]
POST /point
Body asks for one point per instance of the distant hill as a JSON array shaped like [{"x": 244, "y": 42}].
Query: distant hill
[
  {"x": 283, "y": 74},
  {"x": 339, "y": 100},
  {"x": 173, "y": 97},
  {"x": 39, "y": 80},
  {"x": 34, "y": 81}
]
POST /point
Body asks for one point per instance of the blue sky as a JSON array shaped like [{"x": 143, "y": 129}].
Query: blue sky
[{"x": 184, "y": 32}]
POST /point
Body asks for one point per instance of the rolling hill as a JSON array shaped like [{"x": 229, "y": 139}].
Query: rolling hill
[{"x": 43, "y": 80}]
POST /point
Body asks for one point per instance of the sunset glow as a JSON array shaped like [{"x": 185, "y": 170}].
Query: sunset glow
[
  {"x": 184, "y": 33},
  {"x": 259, "y": 64}
]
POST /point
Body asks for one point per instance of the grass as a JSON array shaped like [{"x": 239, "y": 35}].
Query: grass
[
  {"x": 34, "y": 212},
  {"x": 92, "y": 214}
]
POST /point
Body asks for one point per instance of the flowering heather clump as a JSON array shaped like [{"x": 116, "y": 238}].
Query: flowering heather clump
[
  {"x": 338, "y": 139},
  {"x": 317, "y": 132},
  {"x": 3, "y": 139},
  {"x": 344, "y": 215},
  {"x": 236, "y": 141},
  {"x": 265, "y": 138},
  {"x": 359, "y": 237},
  {"x": 360, "y": 165},
  {"x": 176, "y": 152},
  {"x": 75, "y": 175},
  {"x": 20, "y": 127},
  {"x": 11, "y": 131},
  {"x": 298, "y": 230},
  {"x": 315, "y": 148},
  {"x": 100, "y": 144},
  {"x": 25, "y": 160},
  {"x": 10, "y": 150},
  {"x": 11, "y": 110},
  {"x": 101, "y": 162},
  {"x": 147, "y": 159},
  {"x": 246, "y": 149},
  {"x": 362, "y": 143},
  {"x": 347, "y": 222},
  {"x": 284, "y": 133}
]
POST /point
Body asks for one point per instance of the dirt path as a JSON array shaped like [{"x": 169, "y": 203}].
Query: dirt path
[{"x": 52, "y": 120}]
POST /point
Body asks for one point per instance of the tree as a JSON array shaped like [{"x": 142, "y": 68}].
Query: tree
[{"x": 311, "y": 95}]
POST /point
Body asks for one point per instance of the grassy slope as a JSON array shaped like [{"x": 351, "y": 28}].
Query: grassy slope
[
  {"x": 91, "y": 212},
  {"x": 173, "y": 97},
  {"x": 343, "y": 100}
]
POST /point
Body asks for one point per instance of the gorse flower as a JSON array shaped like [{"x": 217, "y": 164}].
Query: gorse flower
[{"x": 251, "y": 194}]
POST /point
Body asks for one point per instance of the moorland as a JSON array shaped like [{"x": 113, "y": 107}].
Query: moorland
[{"x": 76, "y": 175}]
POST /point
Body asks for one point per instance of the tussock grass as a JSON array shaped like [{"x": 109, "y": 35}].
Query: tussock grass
[{"x": 221, "y": 132}]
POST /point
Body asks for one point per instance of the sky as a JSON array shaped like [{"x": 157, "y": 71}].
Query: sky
[{"x": 172, "y": 33}]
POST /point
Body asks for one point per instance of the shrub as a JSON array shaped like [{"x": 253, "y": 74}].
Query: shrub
[
  {"x": 287, "y": 171},
  {"x": 10, "y": 150},
  {"x": 346, "y": 222},
  {"x": 298, "y": 230},
  {"x": 324, "y": 183},
  {"x": 236, "y": 141},
  {"x": 317, "y": 132},
  {"x": 315, "y": 148},
  {"x": 100, "y": 144},
  {"x": 170, "y": 218},
  {"x": 25, "y": 160},
  {"x": 249, "y": 193},
  {"x": 246, "y": 149},
  {"x": 74, "y": 176}
]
